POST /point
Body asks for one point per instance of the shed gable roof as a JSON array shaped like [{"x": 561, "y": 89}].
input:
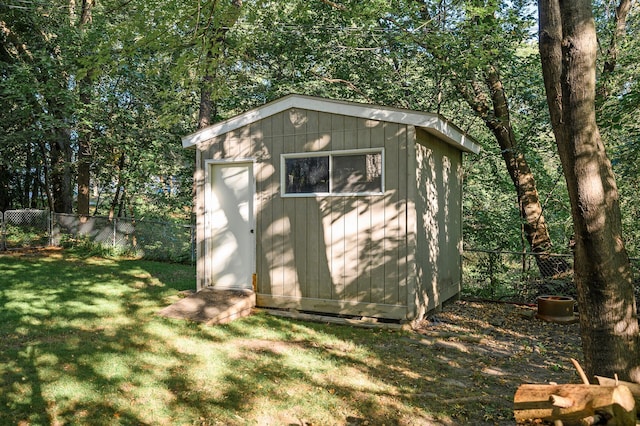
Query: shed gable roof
[{"x": 432, "y": 123}]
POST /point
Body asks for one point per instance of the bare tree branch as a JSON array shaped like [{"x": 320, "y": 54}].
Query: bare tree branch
[{"x": 347, "y": 83}]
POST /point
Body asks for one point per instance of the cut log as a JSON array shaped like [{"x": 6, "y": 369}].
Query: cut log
[
  {"x": 574, "y": 404},
  {"x": 633, "y": 387}
]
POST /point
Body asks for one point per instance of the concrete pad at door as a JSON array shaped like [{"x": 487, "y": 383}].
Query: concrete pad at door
[{"x": 212, "y": 306}]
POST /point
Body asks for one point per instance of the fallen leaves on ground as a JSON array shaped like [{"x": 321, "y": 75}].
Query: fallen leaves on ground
[{"x": 493, "y": 348}]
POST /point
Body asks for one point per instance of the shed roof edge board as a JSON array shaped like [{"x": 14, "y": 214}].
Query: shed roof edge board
[{"x": 432, "y": 123}]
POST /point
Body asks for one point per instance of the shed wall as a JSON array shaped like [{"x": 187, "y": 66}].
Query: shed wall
[
  {"x": 332, "y": 254},
  {"x": 439, "y": 221}
]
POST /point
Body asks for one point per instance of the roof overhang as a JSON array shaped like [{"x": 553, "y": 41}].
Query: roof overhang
[{"x": 432, "y": 123}]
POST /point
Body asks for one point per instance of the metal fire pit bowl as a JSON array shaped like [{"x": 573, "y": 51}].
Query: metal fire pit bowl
[{"x": 558, "y": 309}]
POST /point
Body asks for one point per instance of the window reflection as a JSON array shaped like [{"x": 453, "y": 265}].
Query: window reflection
[{"x": 336, "y": 173}]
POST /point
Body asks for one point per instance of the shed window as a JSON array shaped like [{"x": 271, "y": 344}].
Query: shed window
[
  {"x": 307, "y": 175},
  {"x": 333, "y": 173}
]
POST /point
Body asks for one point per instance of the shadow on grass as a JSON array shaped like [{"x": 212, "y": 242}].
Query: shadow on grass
[{"x": 82, "y": 344}]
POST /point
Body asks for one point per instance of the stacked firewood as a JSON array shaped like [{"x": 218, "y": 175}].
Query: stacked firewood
[{"x": 610, "y": 402}]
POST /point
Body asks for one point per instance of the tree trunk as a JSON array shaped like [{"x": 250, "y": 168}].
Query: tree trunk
[
  {"x": 5, "y": 196},
  {"x": 608, "y": 319},
  {"x": 84, "y": 154},
  {"x": 206, "y": 107},
  {"x": 116, "y": 197},
  {"x": 61, "y": 171},
  {"x": 46, "y": 184},
  {"x": 535, "y": 226},
  {"x": 213, "y": 56},
  {"x": 84, "y": 176},
  {"x": 611, "y": 57},
  {"x": 29, "y": 176},
  {"x": 495, "y": 114},
  {"x": 36, "y": 189},
  {"x": 84, "y": 133}
]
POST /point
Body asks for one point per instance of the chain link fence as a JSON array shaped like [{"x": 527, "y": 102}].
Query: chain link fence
[
  {"x": 487, "y": 274},
  {"x": 517, "y": 276},
  {"x": 152, "y": 240},
  {"x": 24, "y": 228}
]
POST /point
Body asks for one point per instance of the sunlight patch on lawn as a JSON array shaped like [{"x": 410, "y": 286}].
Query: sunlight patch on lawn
[
  {"x": 100, "y": 261},
  {"x": 111, "y": 365},
  {"x": 26, "y": 304},
  {"x": 358, "y": 380},
  {"x": 69, "y": 390},
  {"x": 164, "y": 330}
]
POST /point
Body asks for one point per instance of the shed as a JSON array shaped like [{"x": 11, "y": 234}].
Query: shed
[{"x": 331, "y": 207}]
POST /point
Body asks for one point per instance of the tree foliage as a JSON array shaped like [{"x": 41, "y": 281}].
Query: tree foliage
[
  {"x": 131, "y": 79},
  {"x": 63, "y": 83}
]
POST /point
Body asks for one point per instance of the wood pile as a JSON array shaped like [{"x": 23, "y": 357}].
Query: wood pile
[{"x": 610, "y": 402}]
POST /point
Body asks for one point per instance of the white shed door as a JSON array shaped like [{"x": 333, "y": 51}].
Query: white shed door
[{"x": 231, "y": 238}]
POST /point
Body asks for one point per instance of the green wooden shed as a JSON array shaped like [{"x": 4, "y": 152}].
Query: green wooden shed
[{"x": 332, "y": 207}]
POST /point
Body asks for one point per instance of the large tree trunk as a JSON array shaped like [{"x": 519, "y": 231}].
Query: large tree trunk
[
  {"x": 60, "y": 153},
  {"x": 608, "y": 319}
]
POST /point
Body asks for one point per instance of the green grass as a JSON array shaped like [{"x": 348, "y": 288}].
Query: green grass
[{"x": 81, "y": 344}]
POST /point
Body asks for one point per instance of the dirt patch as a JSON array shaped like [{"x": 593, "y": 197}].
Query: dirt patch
[
  {"x": 496, "y": 347},
  {"x": 515, "y": 343},
  {"x": 33, "y": 252}
]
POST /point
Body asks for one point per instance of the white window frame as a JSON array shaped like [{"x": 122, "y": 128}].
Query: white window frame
[{"x": 330, "y": 154}]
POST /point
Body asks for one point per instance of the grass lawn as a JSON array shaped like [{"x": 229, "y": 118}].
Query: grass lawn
[{"x": 81, "y": 344}]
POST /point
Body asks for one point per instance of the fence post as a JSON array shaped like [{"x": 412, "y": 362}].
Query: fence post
[
  {"x": 192, "y": 235},
  {"x": 492, "y": 283},
  {"x": 115, "y": 227},
  {"x": 51, "y": 225},
  {"x": 3, "y": 242}
]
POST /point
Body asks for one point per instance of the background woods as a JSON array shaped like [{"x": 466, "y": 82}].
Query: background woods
[{"x": 98, "y": 94}]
